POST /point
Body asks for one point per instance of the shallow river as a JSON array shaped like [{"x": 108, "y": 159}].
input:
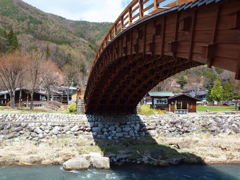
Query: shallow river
[{"x": 184, "y": 172}]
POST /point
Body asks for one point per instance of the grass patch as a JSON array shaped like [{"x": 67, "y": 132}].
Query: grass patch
[
  {"x": 147, "y": 110},
  {"x": 87, "y": 149},
  {"x": 24, "y": 110},
  {"x": 215, "y": 108}
]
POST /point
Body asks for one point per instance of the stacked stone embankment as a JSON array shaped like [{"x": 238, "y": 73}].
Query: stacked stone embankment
[{"x": 38, "y": 126}]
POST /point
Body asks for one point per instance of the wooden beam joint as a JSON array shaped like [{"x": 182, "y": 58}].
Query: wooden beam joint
[
  {"x": 237, "y": 21},
  {"x": 186, "y": 24},
  {"x": 158, "y": 28},
  {"x": 125, "y": 50},
  {"x": 237, "y": 75},
  {"x": 209, "y": 54},
  {"x": 173, "y": 47},
  {"x": 152, "y": 47},
  {"x": 136, "y": 48}
]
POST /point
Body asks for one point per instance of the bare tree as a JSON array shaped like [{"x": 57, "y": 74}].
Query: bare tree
[
  {"x": 70, "y": 78},
  {"x": 51, "y": 77},
  {"x": 33, "y": 73},
  {"x": 12, "y": 67}
]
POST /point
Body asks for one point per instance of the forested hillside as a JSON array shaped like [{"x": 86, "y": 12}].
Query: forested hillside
[{"x": 71, "y": 44}]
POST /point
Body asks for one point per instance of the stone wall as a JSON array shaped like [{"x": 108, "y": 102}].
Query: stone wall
[{"x": 38, "y": 126}]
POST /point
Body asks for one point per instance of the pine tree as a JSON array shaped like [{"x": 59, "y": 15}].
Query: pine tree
[
  {"x": 228, "y": 91},
  {"x": 217, "y": 91},
  {"x": 12, "y": 41},
  {"x": 48, "y": 54},
  {"x": 182, "y": 81}
]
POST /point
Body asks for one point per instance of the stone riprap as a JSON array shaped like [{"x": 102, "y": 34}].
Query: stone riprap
[{"x": 39, "y": 126}]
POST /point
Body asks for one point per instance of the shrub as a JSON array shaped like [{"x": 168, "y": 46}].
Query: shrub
[
  {"x": 72, "y": 108},
  {"x": 146, "y": 110}
]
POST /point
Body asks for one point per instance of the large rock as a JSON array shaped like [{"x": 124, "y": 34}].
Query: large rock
[
  {"x": 85, "y": 161},
  {"x": 78, "y": 163},
  {"x": 100, "y": 162}
]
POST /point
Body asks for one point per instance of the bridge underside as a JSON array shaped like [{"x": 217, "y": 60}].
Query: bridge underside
[
  {"x": 128, "y": 79},
  {"x": 159, "y": 47}
]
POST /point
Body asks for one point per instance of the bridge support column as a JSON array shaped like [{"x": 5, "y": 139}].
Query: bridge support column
[{"x": 80, "y": 106}]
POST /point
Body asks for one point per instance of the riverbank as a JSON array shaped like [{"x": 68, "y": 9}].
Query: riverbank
[
  {"x": 204, "y": 148},
  {"x": 162, "y": 140}
]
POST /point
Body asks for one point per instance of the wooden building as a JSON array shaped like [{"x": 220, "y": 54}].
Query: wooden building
[
  {"x": 63, "y": 94},
  {"x": 182, "y": 104},
  {"x": 21, "y": 95},
  {"x": 158, "y": 100}
]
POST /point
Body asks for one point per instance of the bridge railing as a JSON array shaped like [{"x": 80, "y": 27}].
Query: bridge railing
[{"x": 136, "y": 11}]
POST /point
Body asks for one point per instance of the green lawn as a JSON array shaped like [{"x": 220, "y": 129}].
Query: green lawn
[{"x": 215, "y": 108}]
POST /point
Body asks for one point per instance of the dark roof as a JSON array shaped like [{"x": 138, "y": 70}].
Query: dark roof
[
  {"x": 174, "y": 97},
  {"x": 198, "y": 93}
]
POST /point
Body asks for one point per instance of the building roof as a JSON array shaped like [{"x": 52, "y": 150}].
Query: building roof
[
  {"x": 176, "y": 96},
  {"x": 161, "y": 94},
  {"x": 198, "y": 93},
  {"x": 3, "y": 92}
]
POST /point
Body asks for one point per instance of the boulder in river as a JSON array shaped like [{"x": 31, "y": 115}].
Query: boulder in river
[
  {"x": 86, "y": 161},
  {"x": 78, "y": 163}
]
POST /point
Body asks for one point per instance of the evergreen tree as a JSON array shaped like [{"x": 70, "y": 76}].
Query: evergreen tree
[
  {"x": 228, "y": 91},
  {"x": 12, "y": 41},
  {"x": 48, "y": 54},
  {"x": 182, "y": 81},
  {"x": 217, "y": 91}
]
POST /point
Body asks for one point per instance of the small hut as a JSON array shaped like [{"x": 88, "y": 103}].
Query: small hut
[
  {"x": 182, "y": 104},
  {"x": 158, "y": 100}
]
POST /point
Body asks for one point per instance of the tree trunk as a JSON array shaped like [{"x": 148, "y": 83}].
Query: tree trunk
[
  {"x": 48, "y": 95},
  {"x": 68, "y": 95},
  {"x": 20, "y": 98},
  {"x": 31, "y": 103},
  {"x": 12, "y": 99}
]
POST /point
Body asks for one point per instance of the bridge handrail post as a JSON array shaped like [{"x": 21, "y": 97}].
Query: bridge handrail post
[
  {"x": 130, "y": 16},
  {"x": 122, "y": 23},
  {"x": 141, "y": 13},
  {"x": 155, "y": 4}
]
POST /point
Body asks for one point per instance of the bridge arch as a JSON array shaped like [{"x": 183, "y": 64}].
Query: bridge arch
[{"x": 134, "y": 57}]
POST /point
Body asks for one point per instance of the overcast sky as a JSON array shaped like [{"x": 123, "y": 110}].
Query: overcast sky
[{"x": 89, "y": 10}]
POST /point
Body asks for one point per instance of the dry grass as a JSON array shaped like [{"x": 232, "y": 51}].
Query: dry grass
[{"x": 212, "y": 149}]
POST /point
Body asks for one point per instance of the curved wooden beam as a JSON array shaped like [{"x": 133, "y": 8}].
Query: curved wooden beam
[{"x": 140, "y": 54}]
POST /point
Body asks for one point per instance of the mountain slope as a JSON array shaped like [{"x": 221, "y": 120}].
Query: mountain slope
[{"x": 68, "y": 42}]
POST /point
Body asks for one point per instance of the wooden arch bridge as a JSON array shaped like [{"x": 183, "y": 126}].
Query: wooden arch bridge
[{"x": 155, "y": 39}]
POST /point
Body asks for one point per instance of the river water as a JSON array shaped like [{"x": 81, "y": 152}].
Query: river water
[{"x": 184, "y": 172}]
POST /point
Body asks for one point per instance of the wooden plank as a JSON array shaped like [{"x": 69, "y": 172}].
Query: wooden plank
[
  {"x": 174, "y": 43},
  {"x": 145, "y": 38},
  {"x": 212, "y": 46},
  {"x": 163, "y": 35},
  {"x": 192, "y": 33},
  {"x": 148, "y": 7},
  {"x": 135, "y": 16},
  {"x": 135, "y": 9}
]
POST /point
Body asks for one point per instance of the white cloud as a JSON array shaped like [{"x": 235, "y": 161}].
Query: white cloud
[{"x": 89, "y": 10}]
